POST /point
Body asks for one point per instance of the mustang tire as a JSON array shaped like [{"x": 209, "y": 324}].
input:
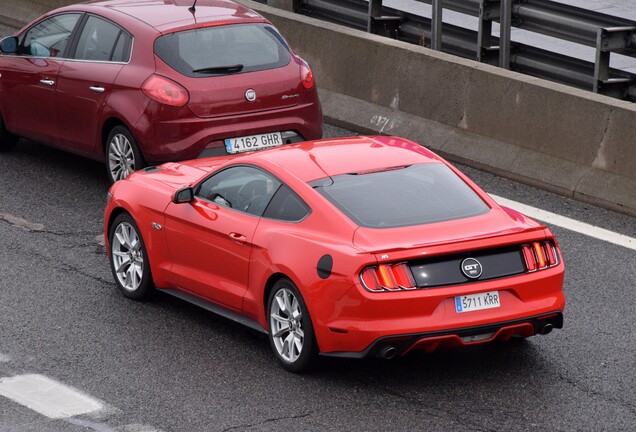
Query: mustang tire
[
  {"x": 291, "y": 333},
  {"x": 129, "y": 259},
  {"x": 7, "y": 139},
  {"x": 122, "y": 154}
]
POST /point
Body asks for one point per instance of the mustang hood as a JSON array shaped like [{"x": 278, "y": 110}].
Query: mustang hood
[
  {"x": 177, "y": 175},
  {"x": 498, "y": 222}
]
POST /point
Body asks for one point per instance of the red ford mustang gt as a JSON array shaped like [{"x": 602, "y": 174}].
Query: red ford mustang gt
[
  {"x": 350, "y": 247},
  {"x": 153, "y": 81}
]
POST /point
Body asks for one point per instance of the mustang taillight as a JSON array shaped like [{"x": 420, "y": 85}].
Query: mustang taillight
[
  {"x": 387, "y": 277},
  {"x": 165, "y": 91},
  {"x": 539, "y": 255}
]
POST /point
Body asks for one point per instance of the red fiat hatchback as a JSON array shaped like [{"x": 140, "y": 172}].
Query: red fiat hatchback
[
  {"x": 132, "y": 83},
  {"x": 374, "y": 255}
]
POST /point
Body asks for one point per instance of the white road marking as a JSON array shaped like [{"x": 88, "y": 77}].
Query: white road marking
[
  {"x": 47, "y": 397},
  {"x": 568, "y": 223},
  {"x": 138, "y": 428}
]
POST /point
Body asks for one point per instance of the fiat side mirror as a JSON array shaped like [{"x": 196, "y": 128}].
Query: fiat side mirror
[
  {"x": 9, "y": 45},
  {"x": 183, "y": 196}
]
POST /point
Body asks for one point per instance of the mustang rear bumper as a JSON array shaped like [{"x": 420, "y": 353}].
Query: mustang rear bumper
[{"x": 397, "y": 345}]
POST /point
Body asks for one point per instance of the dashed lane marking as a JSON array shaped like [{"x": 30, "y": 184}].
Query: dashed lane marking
[
  {"x": 569, "y": 224},
  {"x": 47, "y": 396}
]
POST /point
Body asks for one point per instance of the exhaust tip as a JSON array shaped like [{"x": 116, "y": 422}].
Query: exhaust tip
[
  {"x": 388, "y": 352},
  {"x": 546, "y": 329}
]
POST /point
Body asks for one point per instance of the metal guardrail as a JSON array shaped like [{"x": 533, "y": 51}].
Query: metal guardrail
[{"x": 608, "y": 34}]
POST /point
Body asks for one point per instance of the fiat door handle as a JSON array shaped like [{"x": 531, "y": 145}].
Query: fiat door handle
[
  {"x": 97, "y": 89},
  {"x": 48, "y": 82},
  {"x": 239, "y": 238}
]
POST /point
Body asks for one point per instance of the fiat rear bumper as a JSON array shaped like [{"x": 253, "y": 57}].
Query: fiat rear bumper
[{"x": 165, "y": 134}]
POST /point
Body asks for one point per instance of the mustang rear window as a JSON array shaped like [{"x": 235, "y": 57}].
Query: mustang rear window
[
  {"x": 223, "y": 50},
  {"x": 402, "y": 196}
]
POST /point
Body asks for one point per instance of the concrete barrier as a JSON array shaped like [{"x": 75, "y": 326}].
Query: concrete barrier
[{"x": 559, "y": 138}]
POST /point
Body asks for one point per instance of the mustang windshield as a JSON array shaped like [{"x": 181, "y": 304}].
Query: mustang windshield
[{"x": 402, "y": 196}]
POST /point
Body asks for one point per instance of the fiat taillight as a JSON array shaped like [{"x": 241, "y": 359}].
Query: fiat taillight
[
  {"x": 387, "y": 277},
  {"x": 539, "y": 255},
  {"x": 307, "y": 76},
  {"x": 165, "y": 91}
]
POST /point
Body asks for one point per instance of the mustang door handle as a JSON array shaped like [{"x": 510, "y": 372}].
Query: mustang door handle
[
  {"x": 48, "y": 82},
  {"x": 239, "y": 238},
  {"x": 97, "y": 89}
]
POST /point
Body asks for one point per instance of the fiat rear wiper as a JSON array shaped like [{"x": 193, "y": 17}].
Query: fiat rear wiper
[{"x": 220, "y": 69}]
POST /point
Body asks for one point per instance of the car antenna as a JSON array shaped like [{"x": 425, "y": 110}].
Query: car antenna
[{"x": 193, "y": 8}]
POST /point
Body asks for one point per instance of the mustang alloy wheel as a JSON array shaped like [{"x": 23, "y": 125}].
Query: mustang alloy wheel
[
  {"x": 291, "y": 332},
  {"x": 122, "y": 154},
  {"x": 128, "y": 258}
]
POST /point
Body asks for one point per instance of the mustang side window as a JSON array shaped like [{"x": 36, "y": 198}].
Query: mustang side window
[
  {"x": 101, "y": 40},
  {"x": 287, "y": 206},
  {"x": 242, "y": 188},
  {"x": 50, "y": 37}
]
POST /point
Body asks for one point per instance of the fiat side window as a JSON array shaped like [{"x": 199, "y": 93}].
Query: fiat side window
[
  {"x": 101, "y": 40},
  {"x": 50, "y": 37},
  {"x": 242, "y": 188}
]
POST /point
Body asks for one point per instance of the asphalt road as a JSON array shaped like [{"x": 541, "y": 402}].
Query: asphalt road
[{"x": 167, "y": 366}]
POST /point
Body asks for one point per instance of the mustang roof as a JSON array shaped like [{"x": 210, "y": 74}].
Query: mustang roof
[{"x": 313, "y": 160}]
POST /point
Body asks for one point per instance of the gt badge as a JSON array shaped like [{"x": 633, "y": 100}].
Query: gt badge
[
  {"x": 250, "y": 95},
  {"x": 471, "y": 268}
]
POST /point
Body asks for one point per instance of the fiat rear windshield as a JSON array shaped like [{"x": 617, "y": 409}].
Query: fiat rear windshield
[
  {"x": 402, "y": 196},
  {"x": 223, "y": 50}
]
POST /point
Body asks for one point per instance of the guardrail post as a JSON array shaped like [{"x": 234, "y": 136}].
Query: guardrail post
[
  {"x": 608, "y": 40},
  {"x": 375, "y": 10},
  {"x": 505, "y": 24},
  {"x": 488, "y": 11},
  {"x": 436, "y": 25},
  {"x": 378, "y": 23}
]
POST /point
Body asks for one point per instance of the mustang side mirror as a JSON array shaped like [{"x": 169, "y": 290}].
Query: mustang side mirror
[
  {"x": 182, "y": 196},
  {"x": 9, "y": 45}
]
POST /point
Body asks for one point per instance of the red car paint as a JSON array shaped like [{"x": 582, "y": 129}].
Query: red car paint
[
  {"x": 193, "y": 253},
  {"x": 67, "y": 115}
]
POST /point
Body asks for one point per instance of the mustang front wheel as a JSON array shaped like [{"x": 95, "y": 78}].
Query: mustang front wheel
[
  {"x": 291, "y": 333},
  {"x": 122, "y": 154},
  {"x": 128, "y": 258}
]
